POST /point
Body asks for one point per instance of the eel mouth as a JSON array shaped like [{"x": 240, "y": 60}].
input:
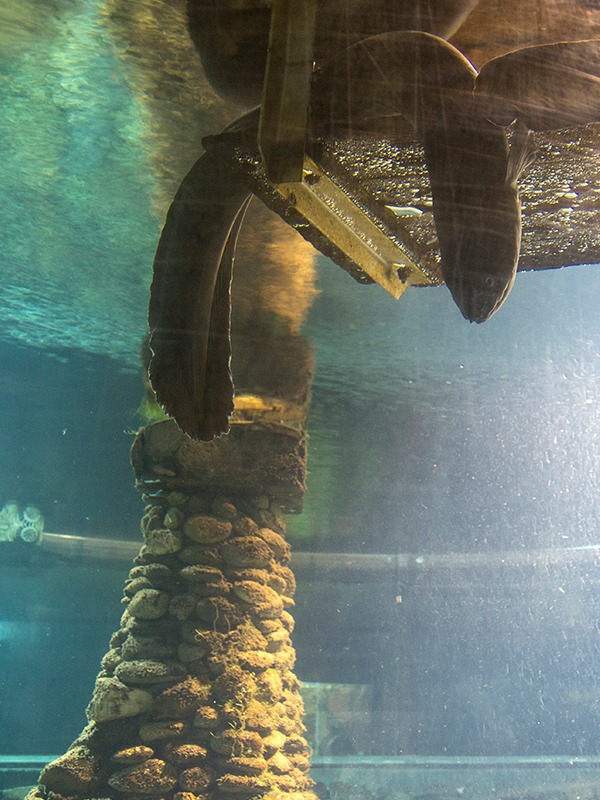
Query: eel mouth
[{"x": 478, "y": 295}]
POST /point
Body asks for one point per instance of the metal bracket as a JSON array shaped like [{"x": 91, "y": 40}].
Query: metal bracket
[
  {"x": 330, "y": 209},
  {"x": 299, "y": 179},
  {"x": 286, "y": 90}
]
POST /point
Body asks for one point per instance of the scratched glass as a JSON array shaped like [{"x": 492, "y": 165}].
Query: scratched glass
[{"x": 247, "y": 238}]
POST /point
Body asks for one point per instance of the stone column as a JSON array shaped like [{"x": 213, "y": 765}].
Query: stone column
[{"x": 197, "y": 698}]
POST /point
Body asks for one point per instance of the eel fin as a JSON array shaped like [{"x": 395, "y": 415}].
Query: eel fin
[{"x": 522, "y": 153}]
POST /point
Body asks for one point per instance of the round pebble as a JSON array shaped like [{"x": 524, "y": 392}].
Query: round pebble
[
  {"x": 247, "y": 551},
  {"x": 188, "y": 754},
  {"x": 149, "y": 604},
  {"x": 245, "y": 526},
  {"x": 150, "y": 778},
  {"x": 162, "y": 541},
  {"x": 246, "y": 784},
  {"x": 206, "y": 530},
  {"x": 201, "y": 574},
  {"x": 196, "y": 779},
  {"x": 132, "y": 755},
  {"x": 74, "y": 773},
  {"x": 281, "y": 549},
  {"x": 280, "y": 764},
  {"x": 243, "y": 766},
  {"x": 155, "y": 731},
  {"x": 135, "y": 585},
  {"x": 224, "y": 509},
  {"x": 206, "y": 717},
  {"x": 176, "y": 499},
  {"x": 137, "y": 648},
  {"x": 159, "y": 575},
  {"x": 251, "y": 592},
  {"x": 114, "y": 700},
  {"x": 174, "y": 518},
  {"x": 148, "y": 671},
  {"x": 182, "y": 606}
]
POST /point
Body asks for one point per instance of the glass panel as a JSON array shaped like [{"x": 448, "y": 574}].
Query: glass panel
[{"x": 436, "y": 480}]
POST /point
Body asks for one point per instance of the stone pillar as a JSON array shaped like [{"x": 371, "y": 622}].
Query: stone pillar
[{"x": 197, "y": 698}]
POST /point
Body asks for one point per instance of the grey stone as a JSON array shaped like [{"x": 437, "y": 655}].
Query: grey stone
[
  {"x": 176, "y": 499},
  {"x": 143, "y": 647},
  {"x": 155, "y": 731},
  {"x": 190, "y": 652},
  {"x": 206, "y": 530},
  {"x": 149, "y": 604},
  {"x": 196, "y": 779},
  {"x": 76, "y": 772},
  {"x": 195, "y": 554},
  {"x": 159, "y": 575},
  {"x": 148, "y": 671},
  {"x": 111, "y": 660},
  {"x": 162, "y": 541},
  {"x": 153, "y": 777},
  {"x": 247, "y": 551},
  {"x": 114, "y": 700},
  {"x": 182, "y": 606},
  {"x": 132, "y": 755},
  {"x": 201, "y": 574},
  {"x": 134, "y": 586},
  {"x": 174, "y": 518}
]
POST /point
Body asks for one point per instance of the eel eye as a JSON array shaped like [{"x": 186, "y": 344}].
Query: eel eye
[{"x": 489, "y": 281}]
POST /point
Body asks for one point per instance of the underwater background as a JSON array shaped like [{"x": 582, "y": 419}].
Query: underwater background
[{"x": 427, "y": 436}]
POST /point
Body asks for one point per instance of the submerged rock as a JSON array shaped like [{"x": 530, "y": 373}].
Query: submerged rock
[
  {"x": 113, "y": 699},
  {"x": 78, "y": 771},
  {"x": 196, "y": 779},
  {"x": 150, "y": 778},
  {"x": 157, "y": 731},
  {"x": 206, "y": 530},
  {"x": 133, "y": 755},
  {"x": 163, "y": 540},
  {"x": 148, "y": 671},
  {"x": 247, "y": 551},
  {"x": 149, "y": 604},
  {"x": 201, "y": 700},
  {"x": 187, "y": 754}
]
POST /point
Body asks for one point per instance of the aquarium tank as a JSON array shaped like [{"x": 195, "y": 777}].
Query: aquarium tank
[{"x": 300, "y": 353}]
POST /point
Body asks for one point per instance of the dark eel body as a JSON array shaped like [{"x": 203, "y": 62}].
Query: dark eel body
[
  {"x": 387, "y": 81},
  {"x": 190, "y": 306}
]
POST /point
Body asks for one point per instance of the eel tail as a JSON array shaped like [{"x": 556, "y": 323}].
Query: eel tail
[{"x": 190, "y": 305}]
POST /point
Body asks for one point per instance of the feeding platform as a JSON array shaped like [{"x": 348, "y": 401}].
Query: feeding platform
[
  {"x": 366, "y": 202},
  {"x": 342, "y": 205}
]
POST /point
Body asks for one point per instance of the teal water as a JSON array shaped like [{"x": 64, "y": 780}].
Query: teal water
[
  {"x": 453, "y": 435},
  {"x": 427, "y": 435},
  {"x": 77, "y": 231}
]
